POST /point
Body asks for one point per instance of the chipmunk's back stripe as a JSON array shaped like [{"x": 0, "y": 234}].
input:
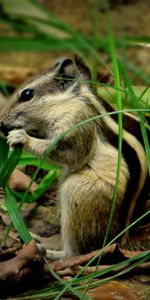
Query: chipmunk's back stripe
[
  {"x": 133, "y": 150},
  {"x": 132, "y": 160},
  {"x": 130, "y": 123}
]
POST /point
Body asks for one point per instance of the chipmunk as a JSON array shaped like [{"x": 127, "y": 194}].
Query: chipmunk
[{"x": 52, "y": 103}]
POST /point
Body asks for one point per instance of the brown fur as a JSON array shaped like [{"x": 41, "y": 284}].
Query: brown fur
[{"x": 88, "y": 153}]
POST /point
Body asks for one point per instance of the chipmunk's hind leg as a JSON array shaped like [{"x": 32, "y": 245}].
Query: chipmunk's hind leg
[{"x": 85, "y": 212}]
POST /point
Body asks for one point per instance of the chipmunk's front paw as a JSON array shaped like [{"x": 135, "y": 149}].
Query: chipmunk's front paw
[{"x": 17, "y": 136}]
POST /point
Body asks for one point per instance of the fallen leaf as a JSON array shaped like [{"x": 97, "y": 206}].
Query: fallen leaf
[{"x": 113, "y": 290}]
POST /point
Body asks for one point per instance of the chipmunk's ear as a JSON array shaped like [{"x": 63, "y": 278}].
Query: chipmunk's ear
[
  {"x": 67, "y": 71},
  {"x": 83, "y": 69},
  {"x": 66, "y": 68},
  {"x": 73, "y": 68}
]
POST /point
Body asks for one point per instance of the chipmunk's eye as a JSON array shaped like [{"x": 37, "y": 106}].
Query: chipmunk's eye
[{"x": 26, "y": 95}]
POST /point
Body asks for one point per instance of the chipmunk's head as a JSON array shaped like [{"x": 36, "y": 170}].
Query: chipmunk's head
[{"x": 30, "y": 106}]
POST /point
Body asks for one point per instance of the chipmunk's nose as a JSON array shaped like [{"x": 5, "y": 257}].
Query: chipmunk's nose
[{"x": 4, "y": 129}]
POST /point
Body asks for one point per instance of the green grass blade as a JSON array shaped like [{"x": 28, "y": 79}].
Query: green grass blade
[
  {"x": 120, "y": 130},
  {"x": 29, "y": 159},
  {"x": 120, "y": 126},
  {"x": 35, "y": 44},
  {"x": 44, "y": 184},
  {"x": 3, "y": 154},
  {"x": 10, "y": 165},
  {"x": 47, "y": 180},
  {"x": 80, "y": 283},
  {"x": 139, "y": 259},
  {"x": 136, "y": 104},
  {"x": 66, "y": 284},
  {"x": 108, "y": 93},
  {"x": 10, "y": 200},
  {"x": 73, "y": 281},
  {"x": 15, "y": 216}
]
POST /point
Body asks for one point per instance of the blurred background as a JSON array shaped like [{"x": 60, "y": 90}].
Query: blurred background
[{"x": 34, "y": 33}]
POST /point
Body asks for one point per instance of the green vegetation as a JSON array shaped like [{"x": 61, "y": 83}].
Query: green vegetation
[{"x": 41, "y": 30}]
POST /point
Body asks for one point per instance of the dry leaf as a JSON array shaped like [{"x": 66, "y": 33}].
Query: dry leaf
[{"x": 113, "y": 290}]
